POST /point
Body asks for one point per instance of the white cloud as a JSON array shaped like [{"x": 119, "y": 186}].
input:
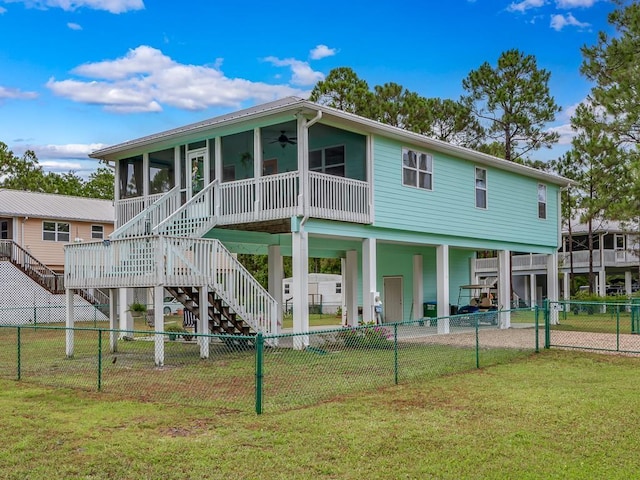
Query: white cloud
[
  {"x": 566, "y": 132},
  {"x": 6, "y": 92},
  {"x": 143, "y": 60},
  {"x": 71, "y": 150},
  {"x": 145, "y": 79},
  {"x": 113, "y": 6},
  {"x": 3, "y": 10},
  {"x": 525, "y": 5},
  {"x": 558, "y": 22},
  {"x": 321, "y": 51},
  {"x": 74, "y": 26},
  {"x": 566, "y": 4},
  {"x": 302, "y": 73}
]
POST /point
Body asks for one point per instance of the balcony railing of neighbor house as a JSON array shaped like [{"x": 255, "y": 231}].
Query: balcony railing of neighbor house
[
  {"x": 176, "y": 261},
  {"x": 580, "y": 260}
]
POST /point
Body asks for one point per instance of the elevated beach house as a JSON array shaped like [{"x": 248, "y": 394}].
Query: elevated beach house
[{"x": 405, "y": 213}]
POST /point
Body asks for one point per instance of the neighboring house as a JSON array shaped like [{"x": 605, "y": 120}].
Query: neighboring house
[
  {"x": 42, "y": 223},
  {"x": 325, "y": 293},
  {"x": 616, "y": 250},
  {"x": 34, "y": 227},
  {"x": 405, "y": 213}
]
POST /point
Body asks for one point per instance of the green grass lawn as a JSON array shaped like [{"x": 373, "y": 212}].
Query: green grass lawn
[{"x": 557, "y": 415}]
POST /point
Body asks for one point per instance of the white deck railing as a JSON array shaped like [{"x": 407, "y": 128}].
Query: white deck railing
[
  {"x": 127, "y": 208},
  {"x": 338, "y": 198},
  {"x": 194, "y": 218},
  {"x": 536, "y": 261},
  {"x": 145, "y": 221},
  {"x": 250, "y": 200},
  {"x": 175, "y": 261}
]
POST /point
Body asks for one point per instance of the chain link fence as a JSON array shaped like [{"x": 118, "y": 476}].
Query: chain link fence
[
  {"x": 261, "y": 373},
  {"x": 605, "y": 326}
]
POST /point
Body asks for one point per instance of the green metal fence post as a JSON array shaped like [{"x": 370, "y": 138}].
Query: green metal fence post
[
  {"x": 617, "y": 328},
  {"x": 547, "y": 328},
  {"x": 19, "y": 355},
  {"x": 35, "y": 315},
  {"x": 477, "y": 321},
  {"x": 395, "y": 352},
  {"x": 259, "y": 354},
  {"x": 99, "y": 359},
  {"x": 536, "y": 326}
]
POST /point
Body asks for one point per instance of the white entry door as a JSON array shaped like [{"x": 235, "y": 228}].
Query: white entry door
[{"x": 392, "y": 306}]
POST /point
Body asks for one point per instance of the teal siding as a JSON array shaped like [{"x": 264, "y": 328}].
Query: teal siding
[{"x": 449, "y": 209}]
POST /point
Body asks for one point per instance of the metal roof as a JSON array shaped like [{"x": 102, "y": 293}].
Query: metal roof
[
  {"x": 20, "y": 203},
  {"x": 295, "y": 105}
]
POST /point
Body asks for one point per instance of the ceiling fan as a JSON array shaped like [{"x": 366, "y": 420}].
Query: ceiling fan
[{"x": 283, "y": 140}]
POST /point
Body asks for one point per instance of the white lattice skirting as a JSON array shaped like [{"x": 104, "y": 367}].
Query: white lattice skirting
[{"x": 21, "y": 299}]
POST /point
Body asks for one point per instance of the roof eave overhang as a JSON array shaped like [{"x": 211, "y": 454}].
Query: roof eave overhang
[{"x": 357, "y": 123}]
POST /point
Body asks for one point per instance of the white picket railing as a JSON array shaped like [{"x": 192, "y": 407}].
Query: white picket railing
[
  {"x": 338, "y": 198},
  {"x": 176, "y": 261},
  {"x": 194, "y": 218},
  {"x": 127, "y": 208},
  {"x": 144, "y": 222}
]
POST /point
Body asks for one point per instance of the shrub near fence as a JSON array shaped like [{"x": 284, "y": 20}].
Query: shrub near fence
[{"x": 258, "y": 373}]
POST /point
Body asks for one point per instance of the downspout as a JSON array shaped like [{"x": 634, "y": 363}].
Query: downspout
[{"x": 305, "y": 137}]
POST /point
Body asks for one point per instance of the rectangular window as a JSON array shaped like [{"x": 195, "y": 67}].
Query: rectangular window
[
  {"x": 329, "y": 160},
  {"x": 542, "y": 201},
  {"x": 286, "y": 289},
  {"x": 338, "y": 287},
  {"x": 97, "y": 232},
  {"x": 55, "y": 231},
  {"x": 481, "y": 188},
  {"x": 417, "y": 169}
]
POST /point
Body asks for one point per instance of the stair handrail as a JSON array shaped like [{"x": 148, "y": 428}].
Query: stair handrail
[
  {"x": 262, "y": 320},
  {"x": 52, "y": 281},
  {"x": 244, "y": 295},
  {"x": 194, "y": 217},
  {"x": 142, "y": 223}
]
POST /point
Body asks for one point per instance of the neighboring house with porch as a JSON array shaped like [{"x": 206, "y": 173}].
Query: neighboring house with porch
[
  {"x": 42, "y": 223},
  {"x": 615, "y": 262},
  {"x": 34, "y": 227},
  {"x": 405, "y": 213}
]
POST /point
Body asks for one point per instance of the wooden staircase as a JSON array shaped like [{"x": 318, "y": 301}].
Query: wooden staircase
[
  {"x": 222, "y": 319},
  {"x": 51, "y": 281}
]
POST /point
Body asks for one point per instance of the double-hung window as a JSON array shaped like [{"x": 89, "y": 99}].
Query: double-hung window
[
  {"x": 417, "y": 169},
  {"x": 55, "y": 231},
  {"x": 542, "y": 201},
  {"x": 97, "y": 232},
  {"x": 481, "y": 188}
]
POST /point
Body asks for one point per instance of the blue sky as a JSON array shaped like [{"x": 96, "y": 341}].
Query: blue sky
[{"x": 77, "y": 75}]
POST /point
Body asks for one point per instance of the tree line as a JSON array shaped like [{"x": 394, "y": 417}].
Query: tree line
[
  {"x": 26, "y": 173},
  {"x": 504, "y": 111}
]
